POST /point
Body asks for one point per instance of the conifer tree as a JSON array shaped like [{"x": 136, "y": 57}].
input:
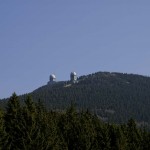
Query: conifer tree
[
  {"x": 133, "y": 136},
  {"x": 87, "y": 132},
  {"x": 103, "y": 137},
  {"x": 12, "y": 124},
  {"x": 2, "y": 131}
]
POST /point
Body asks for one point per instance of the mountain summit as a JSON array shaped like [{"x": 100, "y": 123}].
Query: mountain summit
[{"x": 114, "y": 97}]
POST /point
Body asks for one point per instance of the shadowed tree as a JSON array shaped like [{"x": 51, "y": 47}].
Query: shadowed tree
[
  {"x": 133, "y": 136},
  {"x": 12, "y": 124}
]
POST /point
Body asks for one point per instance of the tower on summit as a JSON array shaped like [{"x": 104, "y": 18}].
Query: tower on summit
[
  {"x": 73, "y": 77},
  {"x": 52, "y": 79}
]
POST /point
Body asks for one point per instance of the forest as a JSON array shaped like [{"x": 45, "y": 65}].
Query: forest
[
  {"x": 114, "y": 97},
  {"x": 30, "y": 126}
]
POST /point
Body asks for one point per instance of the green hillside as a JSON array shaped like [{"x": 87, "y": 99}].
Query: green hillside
[
  {"x": 114, "y": 97},
  {"x": 32, "y": 127}
]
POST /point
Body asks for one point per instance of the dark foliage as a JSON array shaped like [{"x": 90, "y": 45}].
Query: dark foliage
[
  {"x": 114, "y": 97},
  {"x": 32, "y": 127}
]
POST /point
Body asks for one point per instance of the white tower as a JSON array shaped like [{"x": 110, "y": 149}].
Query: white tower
[
  {"x": 73, "y": 77},
  {"x": 52, "y": 78}
]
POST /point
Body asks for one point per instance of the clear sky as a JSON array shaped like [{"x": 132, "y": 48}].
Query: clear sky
[{"x": 40, "y": 37}]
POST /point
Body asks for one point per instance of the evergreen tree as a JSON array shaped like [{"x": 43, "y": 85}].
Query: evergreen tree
[
  {"x": 133, "y": 136},
  {"x": 103, "y": 137},
  {"x": 87, "y": 132},
  {"x": 12, "y": 124},
  {"x": 145, "y": 142},
  {"x": 2, "y": 131},
  {"x": 69, "y": 128},
  {"x": 117, "y": 139}
]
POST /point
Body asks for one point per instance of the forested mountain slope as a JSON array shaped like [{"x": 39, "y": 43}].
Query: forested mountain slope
[{"x": 115, "y": 97}]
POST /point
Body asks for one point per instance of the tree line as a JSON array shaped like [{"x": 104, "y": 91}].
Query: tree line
[
  {"x": 127, "y": 95},
  {"x": 30, "y": 126},
  {"x": 116, "y": 97}
]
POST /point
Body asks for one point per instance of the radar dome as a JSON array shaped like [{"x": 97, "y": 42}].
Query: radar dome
[
  {"x": 73, "y": 77},
  {"x": 73, "y": 73},
  {"x": 52, "y": 77}
]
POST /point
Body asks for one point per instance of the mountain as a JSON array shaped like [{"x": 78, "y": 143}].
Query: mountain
[{"x": 114, "y": 97}]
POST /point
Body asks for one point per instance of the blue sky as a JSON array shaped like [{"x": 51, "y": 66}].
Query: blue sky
[{"x": 38, "y": 38}]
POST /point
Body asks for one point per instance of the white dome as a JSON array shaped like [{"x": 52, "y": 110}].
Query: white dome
[
  {"x": 73, "y": 73},
  {"x": 52, "y": 76}
]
